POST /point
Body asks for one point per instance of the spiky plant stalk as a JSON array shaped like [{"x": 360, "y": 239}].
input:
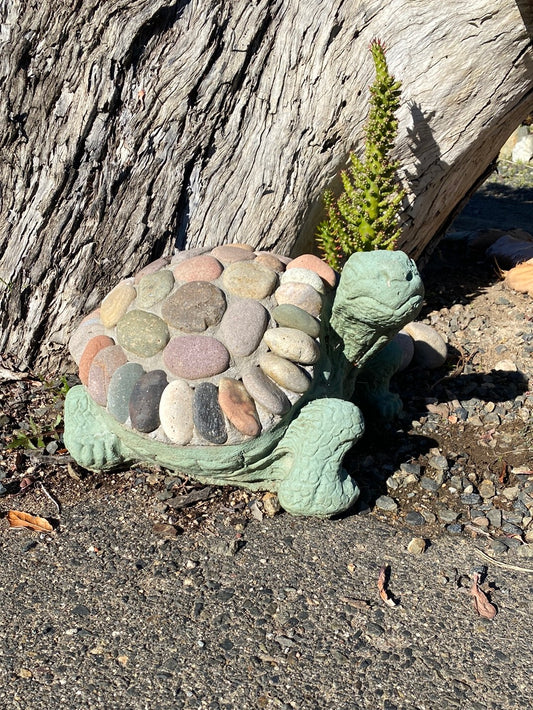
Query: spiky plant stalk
[{"x": 365, "y": 216}]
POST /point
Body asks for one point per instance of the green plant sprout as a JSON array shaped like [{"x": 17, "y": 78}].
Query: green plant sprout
[{"x": 365, "y": 216}]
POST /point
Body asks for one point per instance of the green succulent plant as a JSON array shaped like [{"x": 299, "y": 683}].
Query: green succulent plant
[{"x": 365, "y": 216}]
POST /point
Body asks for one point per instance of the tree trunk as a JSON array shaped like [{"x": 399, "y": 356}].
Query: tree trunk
[{"x": 129, "y": 125}]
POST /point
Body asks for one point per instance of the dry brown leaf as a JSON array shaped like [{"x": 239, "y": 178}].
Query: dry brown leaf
[
  {"x": 483, "y": 606},
  {"x": 382, "y": 583},
  {"x": 18, "y": 519}
]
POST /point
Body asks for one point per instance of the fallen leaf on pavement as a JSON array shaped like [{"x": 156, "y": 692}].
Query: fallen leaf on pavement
[
  {"x": 483, "y": 606},
  {"x": 382, "y": 587},
  {"x": 18, "y": 519}
]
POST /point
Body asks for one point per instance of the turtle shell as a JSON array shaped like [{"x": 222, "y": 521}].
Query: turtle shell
[{"x": 212, "y": 346}]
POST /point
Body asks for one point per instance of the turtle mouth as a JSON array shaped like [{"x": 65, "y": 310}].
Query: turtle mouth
[{"x": 373, "y": 311}]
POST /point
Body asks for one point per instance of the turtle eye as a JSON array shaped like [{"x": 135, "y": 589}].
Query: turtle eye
[{"x": 409, "y": 276}]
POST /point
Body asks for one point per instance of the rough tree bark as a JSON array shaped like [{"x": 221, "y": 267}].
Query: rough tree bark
[{"x": 126, "y": 125}]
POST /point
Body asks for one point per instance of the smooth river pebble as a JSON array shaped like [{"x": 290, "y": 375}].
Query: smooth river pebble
[
  {"x": 265, "y": 392},
  {"x": 142, "y": 333},
  {"x": 196, "y": 356},
  {"x": 116, "y": 303},
  {"x": 99, "y": 342},
  {"x": 104, "y": 364},
  {"x": 194, "y": 307},
  {"x": 207, "y": 415},
  {"x": 301, "y": 295},
  {"x": 120, "y": 389},
  {"x": 249, "y": 280},
  {"x": 200, "y": 268},
  {"x": 313, "y": 263},
  {"x": 153, "y": 288},
  {"x": 144, "y": 400},
  {"x": 175, "y": 412},
  {"x": 303, "y": 276},
  {"x": 293, "y": 317},
  {"x": 292, "y": 344},
  {"x": 238, "y": 406},
  {"x": 285, "y": 373},
  {"x": 243, "y": 326}
]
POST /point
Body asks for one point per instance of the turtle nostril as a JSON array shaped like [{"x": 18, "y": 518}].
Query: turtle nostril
[{"x": 409, "y": 276}]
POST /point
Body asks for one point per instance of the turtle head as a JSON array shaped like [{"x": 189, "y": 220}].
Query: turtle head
[{"x": 379, "y": 292}]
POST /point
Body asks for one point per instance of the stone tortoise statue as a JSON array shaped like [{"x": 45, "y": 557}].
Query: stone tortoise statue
[{"x": 237, "y": 367}]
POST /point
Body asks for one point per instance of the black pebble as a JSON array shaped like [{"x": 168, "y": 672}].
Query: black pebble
[
  {"x": 207, "y": 415},
  {"x": 144, "y": 400}
]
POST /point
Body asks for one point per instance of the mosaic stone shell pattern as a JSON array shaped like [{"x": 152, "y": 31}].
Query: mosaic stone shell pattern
[{"x": 210, "y": 347}]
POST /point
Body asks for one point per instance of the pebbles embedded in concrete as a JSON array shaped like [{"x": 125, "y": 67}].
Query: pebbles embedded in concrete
[
  {"x": 200, "y": 268},
  {"x": 313, "y": 263},
  {"x": 249, "y": 280},
  {"x": 116, "y": 303},
  {"x": 120, "y": 388},
  {"x": 304, "y": 276},
  {"x": 103, "y": 366},
  {"x": 301, "y": 295},
  {"x": 291, "y": 316},
  {"x": 153, "y": 288},
  {"x": 151, "y": 268},
  {"x": 99, "y": 342},
  {"x": 231, "y": 253}
]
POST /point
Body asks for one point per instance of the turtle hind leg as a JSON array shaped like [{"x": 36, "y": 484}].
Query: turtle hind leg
[
  {"x": 314, "y": 482},
  {"x": 86, "y": 436}
]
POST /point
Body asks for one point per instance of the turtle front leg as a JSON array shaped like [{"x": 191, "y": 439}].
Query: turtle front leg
[
  {"x": 313, "y": 480},
  {"x": 373, "y": 381},
  {"x": 87, "y": 436}
]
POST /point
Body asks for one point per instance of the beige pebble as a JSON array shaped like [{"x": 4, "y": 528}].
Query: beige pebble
[
  {"x": 301, "y": 295},
  {"x": 417, "y": 546},
  {"x": 175, "y": 412},
  {"x": 284, "y": 373},
  {"x": 303, "y": 276},
  {"x": 116, "y": 303},
  {"x": 292, "y": 344}
]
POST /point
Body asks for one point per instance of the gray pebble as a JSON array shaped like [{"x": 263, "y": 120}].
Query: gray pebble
[
  {"x": 446, "y": 515},
  {"x": 499, "y": 547},
  {"x": 471, "y": 498},
  {"x": 428, "y": 484},
  {"x": 512, "y": 529},
  {"x": 386, "y": 503},
  {"x": 438, "y": 462},
  {"x": 415, "y": 518},
  {"x": 495, "y": 517},
  {"x": 413, "y": 468},
  {"x": 455, "y": 528}
]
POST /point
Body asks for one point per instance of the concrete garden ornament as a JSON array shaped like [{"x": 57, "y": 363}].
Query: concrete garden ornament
[{"x": 238, "y": 367}]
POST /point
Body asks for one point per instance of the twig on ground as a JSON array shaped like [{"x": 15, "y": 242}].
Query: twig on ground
[{"x": 505, "y": 565}]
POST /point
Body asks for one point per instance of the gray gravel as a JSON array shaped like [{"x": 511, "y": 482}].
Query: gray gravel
[{"x": 106, "y": 614}]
